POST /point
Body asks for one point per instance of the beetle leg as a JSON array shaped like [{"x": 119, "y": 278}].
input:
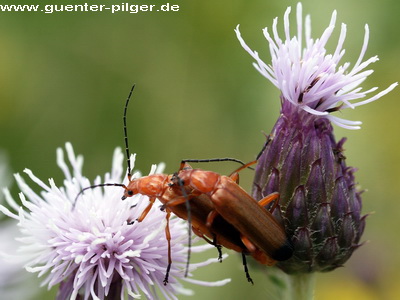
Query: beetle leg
[
  {"x": 235, "y": 174},
  {"x": 256, "y": 253},
  {"x": 235, "y": 177},
  {"x": 177, "y": 201},
  {"x": 199, "y": 233},
  {"x": 249, "y": 245},
  {"x": 213, "y": 242},
  {"x": 268, "y": 199},
  {"x": 211, "y": 217},
  {"x": 246, "y": 270},
  {"x": 243, "y": 167},
  {"x": 180, "y": 200},
  {"x": 263, "y": 258},
  {"x": 168, "y": 237},
  {"x": 219, "y": 247},
  {"x": 146, "y": 210}
]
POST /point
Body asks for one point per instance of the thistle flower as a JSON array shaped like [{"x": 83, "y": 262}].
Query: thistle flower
[
  {"x": 320, "y": 205},
  {"x": 11, "y": 272},
  {"x": 97, "y": 250}
]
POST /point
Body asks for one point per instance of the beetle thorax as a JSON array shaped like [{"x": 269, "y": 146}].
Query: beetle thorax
[
  {"x": 152, "y": 186},
  {"x": 202, "y": 181}
]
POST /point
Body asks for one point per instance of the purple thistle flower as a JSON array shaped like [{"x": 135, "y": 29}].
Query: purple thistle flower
[
  {"x": 309, "y": 78},
  {"x": 94, "y": 251},
  {"x": 320, "y": 205},
  {"x": 11, "y": 271}
]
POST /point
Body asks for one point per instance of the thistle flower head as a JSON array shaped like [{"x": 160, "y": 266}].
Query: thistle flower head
[
  {"x": 98, "y": 249},
  {"x": 11, "y": 272},
  {"x": 310, "y": 78},
  {"x": 320, "y": 205}
]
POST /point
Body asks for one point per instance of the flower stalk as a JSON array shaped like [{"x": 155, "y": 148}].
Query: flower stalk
[{"x": 302, "y": 286}]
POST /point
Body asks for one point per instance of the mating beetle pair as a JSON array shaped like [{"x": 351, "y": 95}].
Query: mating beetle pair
[{"x": 216, "y": 207}]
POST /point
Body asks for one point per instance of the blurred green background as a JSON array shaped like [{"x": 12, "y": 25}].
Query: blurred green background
[{"x": 65, "y": 77}]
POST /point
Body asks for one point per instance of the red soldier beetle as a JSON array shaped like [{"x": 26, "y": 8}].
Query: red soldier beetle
[{"x": 215, "y": 206}]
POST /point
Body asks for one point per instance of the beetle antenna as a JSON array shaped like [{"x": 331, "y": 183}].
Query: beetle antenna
[
  {"x": 128, "y": 155},
  {"x": 269, "y": 139},
  {"x": 93, "y": 187},
  {"x": 244, "y": 166},
  {"x": 214, "y": 160}
]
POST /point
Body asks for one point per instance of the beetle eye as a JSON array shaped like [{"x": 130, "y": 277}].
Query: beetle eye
[{"x": 130, "y": 193}]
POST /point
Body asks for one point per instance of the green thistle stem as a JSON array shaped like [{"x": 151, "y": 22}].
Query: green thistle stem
[
  {"x": 290, "y": 287},
  {"x": 302, "y": 286}
]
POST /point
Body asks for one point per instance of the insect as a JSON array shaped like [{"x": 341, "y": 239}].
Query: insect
[
  {"x": 257, "y": 226},
  {"x": 215, "y": 206},
  {"x": 220, "y": 210}
]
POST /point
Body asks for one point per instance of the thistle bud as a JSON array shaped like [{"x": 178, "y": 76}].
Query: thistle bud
[{"x": 320, "y": 205}]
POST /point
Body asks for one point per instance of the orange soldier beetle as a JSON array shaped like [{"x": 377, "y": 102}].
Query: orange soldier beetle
[
  {"x": 258, "y": 227},
  {"x": 245, "y": 225},
  {"x": 215, "y": 206}
]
